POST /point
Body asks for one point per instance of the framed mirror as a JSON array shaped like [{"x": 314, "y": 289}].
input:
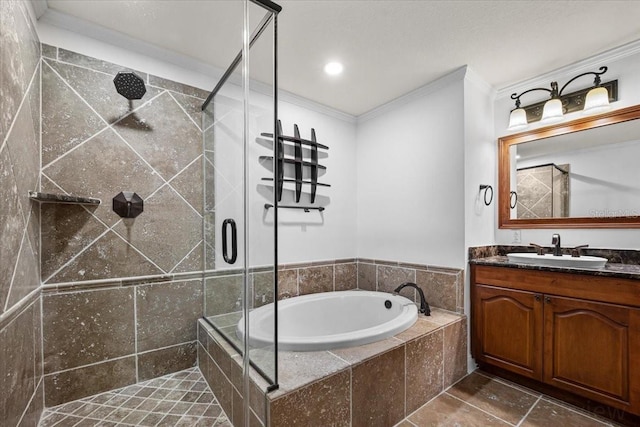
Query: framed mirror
[{"x": 579, "y": 174}]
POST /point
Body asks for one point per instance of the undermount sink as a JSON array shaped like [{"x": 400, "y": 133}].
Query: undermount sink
[{"x": 557, "y": 261}]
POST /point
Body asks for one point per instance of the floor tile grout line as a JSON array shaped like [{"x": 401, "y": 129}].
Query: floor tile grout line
[
  {"x": 573, "y": 409},
  {"x": 182, "y": 382},
  {"x": 510, "y": 384},
  {"x": 480, "y": 409},
  {"x": 529, "y": 411}
]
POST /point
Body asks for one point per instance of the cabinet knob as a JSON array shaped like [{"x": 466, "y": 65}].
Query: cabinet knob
[
  {"x": 538, "y": 297},
  {"x": 547, "y": 300}
]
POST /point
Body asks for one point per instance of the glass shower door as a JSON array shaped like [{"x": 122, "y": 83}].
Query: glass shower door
[{"x": 240, "y": 250}]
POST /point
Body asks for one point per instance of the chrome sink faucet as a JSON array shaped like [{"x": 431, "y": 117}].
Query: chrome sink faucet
[{"x": 555, "y": 241}]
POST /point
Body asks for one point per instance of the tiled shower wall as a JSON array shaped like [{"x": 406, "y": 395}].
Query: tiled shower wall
[
  {"x": 20, "y": 337},
  {"x": 94, "y": 143},
  {"x": 120, "y": 297}
]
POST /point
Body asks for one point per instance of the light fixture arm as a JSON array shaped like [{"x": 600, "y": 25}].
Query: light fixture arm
[
  {"x": 596, "y": 81},
  {"x": 554, "y": 93},
  {"x": 517, "y": 97}
]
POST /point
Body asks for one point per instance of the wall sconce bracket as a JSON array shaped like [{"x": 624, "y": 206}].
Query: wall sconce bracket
[{"x": 571, "y": 102}]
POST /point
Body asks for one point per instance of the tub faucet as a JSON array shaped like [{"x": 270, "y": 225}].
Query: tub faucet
[
  {"x": 555, "y": 241},
  {"x": 424, "y": 306}
]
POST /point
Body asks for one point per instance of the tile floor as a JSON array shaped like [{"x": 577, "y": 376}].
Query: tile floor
[
  {"x": 179, "y": 399},
  {"x": 184, "y": 399},
  {"x": 483, "y": 400}
]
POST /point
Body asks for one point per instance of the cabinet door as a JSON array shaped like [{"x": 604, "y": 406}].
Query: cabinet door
[
  {"x": 591, "y": 349},
  {"x": 508, "y": 329}
]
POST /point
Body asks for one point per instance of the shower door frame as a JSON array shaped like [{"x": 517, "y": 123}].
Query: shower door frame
[{"x": 271, "y": 16}]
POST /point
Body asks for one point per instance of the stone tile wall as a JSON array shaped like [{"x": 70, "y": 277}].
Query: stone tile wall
[
  {"x": 20, "y": 338},
  {"x": 97, "y": 338},
  {"x": 121, "y": 298},
  {"x": 96, "y": 143}
]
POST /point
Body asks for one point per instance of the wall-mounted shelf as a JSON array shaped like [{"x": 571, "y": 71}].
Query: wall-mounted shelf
[
  {"x": 298, "y": 161},
  {"x": 294, "y": 161},
  {"x": 304, "y": 208},
  {"x": 63, "y": 198},
  {"x": 300, "y": 181},
  {"x": 298, "y": 140}
]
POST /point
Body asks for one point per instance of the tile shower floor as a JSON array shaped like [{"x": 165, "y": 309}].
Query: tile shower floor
[
  {"x": 179, "y": 399},
  {"x": 184, "y": 399}
]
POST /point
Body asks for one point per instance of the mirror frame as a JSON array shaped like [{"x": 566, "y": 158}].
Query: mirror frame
[{"x": 504, "y": 181}]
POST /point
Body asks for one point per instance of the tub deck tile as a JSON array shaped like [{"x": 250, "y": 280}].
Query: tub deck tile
[{"x": 360, "y": 353}]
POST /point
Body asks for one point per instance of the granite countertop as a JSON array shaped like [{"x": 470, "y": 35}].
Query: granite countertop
[{"x": 624, "y": 271}]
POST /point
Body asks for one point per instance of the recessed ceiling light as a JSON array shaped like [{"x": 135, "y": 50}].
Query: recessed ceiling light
[{"x": 333, "y": 68}]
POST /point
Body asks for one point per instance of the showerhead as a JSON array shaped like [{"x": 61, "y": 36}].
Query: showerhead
[{"x": 129, "y": 85}]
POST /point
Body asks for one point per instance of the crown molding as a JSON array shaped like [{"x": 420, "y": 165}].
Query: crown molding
[
  {"x": 123, "y": 41},
  {"x": 447, "y": 79},
  {"x": 568, "y": 71},
  {"x": 478, "y": 81}
]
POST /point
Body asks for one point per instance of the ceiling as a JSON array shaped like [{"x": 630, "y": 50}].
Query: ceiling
[{"x": 388, "y": 48}]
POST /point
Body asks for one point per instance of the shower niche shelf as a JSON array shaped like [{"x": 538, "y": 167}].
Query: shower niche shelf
[
  {"x": 299, "y": 161},
  {"x": 63, "y": 199}
]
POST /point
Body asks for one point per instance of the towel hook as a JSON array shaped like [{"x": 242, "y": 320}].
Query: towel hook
[{"x": 486, "y": 188}]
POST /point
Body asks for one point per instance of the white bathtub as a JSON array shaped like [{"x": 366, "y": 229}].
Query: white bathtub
[{"x": 330, "y": 320}]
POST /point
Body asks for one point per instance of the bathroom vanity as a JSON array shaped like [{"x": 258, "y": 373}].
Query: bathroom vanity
[{"x": 575, "y": 330}]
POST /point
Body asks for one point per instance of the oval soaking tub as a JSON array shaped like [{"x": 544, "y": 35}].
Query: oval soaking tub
[{"x": 330, "y": 320}]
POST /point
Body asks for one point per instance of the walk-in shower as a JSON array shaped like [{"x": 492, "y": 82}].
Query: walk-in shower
[{"x": 240, "y": 250}]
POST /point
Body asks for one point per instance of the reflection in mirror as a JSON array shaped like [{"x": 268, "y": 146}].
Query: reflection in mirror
[
  {"x": 543, "y": 191},
  {"x": 573, "y": 174}
]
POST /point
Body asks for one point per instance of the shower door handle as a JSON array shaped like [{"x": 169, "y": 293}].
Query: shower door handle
[{"x": 234, "y": 241}]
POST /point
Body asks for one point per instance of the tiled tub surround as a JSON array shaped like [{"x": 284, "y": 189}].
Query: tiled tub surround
[
  {"x": 443, "y": 287},
  {"x": 21, "y": 385},
  {"x": 377, "y": 384},
  {"x": 154, "y": 149},
  {"x": 99, "y": 337}
]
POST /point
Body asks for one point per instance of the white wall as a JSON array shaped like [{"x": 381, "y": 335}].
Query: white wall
[
  {"x": 624, "y": 65},
  {"x": 410, "y": 174},
  {"x": 479, "y": 155}
]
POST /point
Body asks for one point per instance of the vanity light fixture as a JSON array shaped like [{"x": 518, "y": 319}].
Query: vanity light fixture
[{"x": 591, "y": 100}]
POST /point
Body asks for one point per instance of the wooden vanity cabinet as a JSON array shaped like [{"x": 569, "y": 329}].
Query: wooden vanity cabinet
[
  {"x": 508, "y": 325},
  {"x": 578, "y": 333}
]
